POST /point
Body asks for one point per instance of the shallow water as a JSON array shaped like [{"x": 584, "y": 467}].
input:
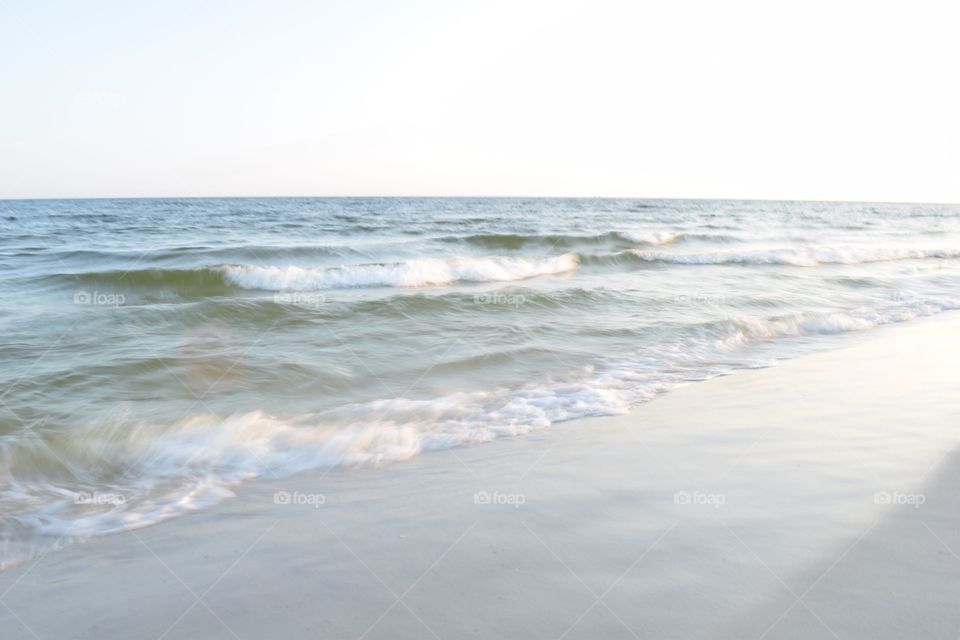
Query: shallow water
[{"x": 158, "y": 352}]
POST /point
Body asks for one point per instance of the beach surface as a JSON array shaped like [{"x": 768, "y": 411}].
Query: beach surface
[{"x": 814, "y": 499}]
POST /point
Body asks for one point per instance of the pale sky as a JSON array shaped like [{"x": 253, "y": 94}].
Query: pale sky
[{"x": 803, "y": 100}]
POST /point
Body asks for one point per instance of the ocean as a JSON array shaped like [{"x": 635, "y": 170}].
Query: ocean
[{"x": 158, "y": 353}]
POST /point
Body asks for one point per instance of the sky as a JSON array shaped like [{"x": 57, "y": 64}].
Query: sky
[{"x": 763, "y": 100}]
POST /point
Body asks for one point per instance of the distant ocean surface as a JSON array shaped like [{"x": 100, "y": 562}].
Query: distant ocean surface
[{"x": 157, "y": 353}]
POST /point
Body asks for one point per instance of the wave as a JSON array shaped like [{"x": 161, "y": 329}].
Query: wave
[
  {"x": 800, "y": 256},
  {"x": 200, "y": 281},
  {"x": 520, "y": 240},
  {"x": 422, "y": 303},
  {"x": 419, "y": 272},
  {"x": 650, "y": 237},
  {"x": 155, "y": 472},
  {"x": 416, "y": 272},
  {"x": 219, "y": 280}
]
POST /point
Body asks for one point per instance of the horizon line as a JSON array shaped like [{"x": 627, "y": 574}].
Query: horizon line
[{"x": 486, "y": 197}]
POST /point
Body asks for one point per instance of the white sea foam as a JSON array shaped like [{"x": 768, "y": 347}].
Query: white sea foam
[
  {"x": 418, "y": 272},
  {"x": 802, "y": 256},
  {"x": 170, "y": 470},
  {"x": 650, "y": 237}
]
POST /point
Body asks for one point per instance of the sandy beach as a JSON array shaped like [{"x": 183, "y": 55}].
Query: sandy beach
[
  {"x": 452, "y": 320},
  {"x": 813, "y": 499}
]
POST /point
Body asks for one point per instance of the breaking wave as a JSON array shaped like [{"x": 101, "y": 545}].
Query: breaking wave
[
  {"x": 418, "y": 272},
  {"x": 156, "y": 472},
  {"x": 801, "y": 256}
]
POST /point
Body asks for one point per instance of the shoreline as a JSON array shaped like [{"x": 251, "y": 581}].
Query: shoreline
[{"x": 778, "y": 502}]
